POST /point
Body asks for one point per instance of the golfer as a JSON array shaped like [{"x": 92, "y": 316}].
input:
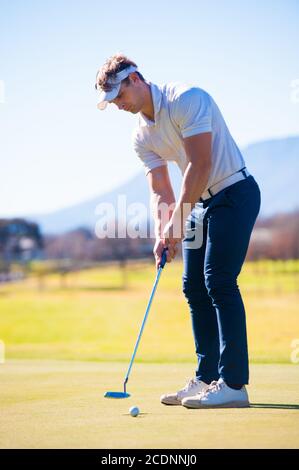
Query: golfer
[{"x": 213, "y": 218}]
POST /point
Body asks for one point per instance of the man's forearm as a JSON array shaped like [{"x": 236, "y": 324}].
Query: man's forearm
[
  {"x": 193, "y": 185},
  {"x": 162, "y": 206}
]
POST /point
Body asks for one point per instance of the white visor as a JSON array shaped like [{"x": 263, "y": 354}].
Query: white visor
[{"x": 106, "y": 96}]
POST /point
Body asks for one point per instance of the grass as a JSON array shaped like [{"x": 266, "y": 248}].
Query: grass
[
  {"x": 92, "y": 317},
  {"x": 61, "y": 404}
]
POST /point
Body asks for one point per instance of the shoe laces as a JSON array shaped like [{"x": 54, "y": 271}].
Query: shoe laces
[
  {"x": 189, "y": 385},
  {"x": 214, "y": 387}
]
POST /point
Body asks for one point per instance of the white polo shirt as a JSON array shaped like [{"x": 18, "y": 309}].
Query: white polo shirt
[{"x": 182, "y": 111}]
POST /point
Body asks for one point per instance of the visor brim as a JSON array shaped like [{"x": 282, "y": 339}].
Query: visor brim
[{"x": 107, "y": 96}]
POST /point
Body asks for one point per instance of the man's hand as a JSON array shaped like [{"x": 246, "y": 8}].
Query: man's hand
[
  {"x": 158, "y": 250},
  {"x": 172, "y": 234}
]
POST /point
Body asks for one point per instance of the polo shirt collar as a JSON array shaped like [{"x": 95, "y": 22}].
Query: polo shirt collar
[{"x": 157, "y": 100}]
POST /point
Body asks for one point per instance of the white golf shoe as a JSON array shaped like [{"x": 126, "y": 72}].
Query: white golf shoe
[
  {"x": 218, "y": 395},
  {"x": 192, "y": 387}
]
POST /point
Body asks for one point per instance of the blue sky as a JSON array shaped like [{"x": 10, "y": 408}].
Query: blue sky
[{"x": 57, "y": 149}]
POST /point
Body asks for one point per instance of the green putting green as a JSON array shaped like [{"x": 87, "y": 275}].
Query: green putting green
[{"x": 61, "y": 404}]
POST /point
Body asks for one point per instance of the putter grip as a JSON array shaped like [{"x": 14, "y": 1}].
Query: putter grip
[{"x": 164, "y": 258}]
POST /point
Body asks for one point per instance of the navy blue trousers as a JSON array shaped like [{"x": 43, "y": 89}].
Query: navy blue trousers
[{"x": 214, "y": 249}]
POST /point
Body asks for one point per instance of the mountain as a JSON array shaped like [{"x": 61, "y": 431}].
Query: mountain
[{"x": 274, "y": 164}]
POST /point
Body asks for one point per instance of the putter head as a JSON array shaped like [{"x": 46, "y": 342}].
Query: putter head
[{"x": 116, "y": 395}]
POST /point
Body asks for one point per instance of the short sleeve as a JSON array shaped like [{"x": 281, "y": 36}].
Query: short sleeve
[
  {"x": 149, "y": 158},
  {"x": 192, "y": 112}
]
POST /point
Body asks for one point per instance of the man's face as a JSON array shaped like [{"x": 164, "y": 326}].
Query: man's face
[{"x": 129, "y": 97}]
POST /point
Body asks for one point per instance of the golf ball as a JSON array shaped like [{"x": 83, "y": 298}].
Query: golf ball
[{"x": 134, "y": 411}]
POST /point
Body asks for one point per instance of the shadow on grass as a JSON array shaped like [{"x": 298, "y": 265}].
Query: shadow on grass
[{"x": 274, "y": 406}]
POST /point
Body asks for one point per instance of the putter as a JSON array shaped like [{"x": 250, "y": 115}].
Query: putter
[{"x": 124, "y": 394}]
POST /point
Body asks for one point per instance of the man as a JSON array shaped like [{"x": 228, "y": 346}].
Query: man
[{"x": 214, "y": 217}]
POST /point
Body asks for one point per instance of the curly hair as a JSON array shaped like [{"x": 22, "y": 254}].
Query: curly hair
[{"x": 111, "y": 67}]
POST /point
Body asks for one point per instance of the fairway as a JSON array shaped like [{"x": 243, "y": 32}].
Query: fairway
[
  {"x": 92, "y": 316},
  {"x": 60, "y": 404}
]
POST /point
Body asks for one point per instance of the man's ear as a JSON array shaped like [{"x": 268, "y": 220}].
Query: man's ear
[{"x": 133, "y": 77}]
